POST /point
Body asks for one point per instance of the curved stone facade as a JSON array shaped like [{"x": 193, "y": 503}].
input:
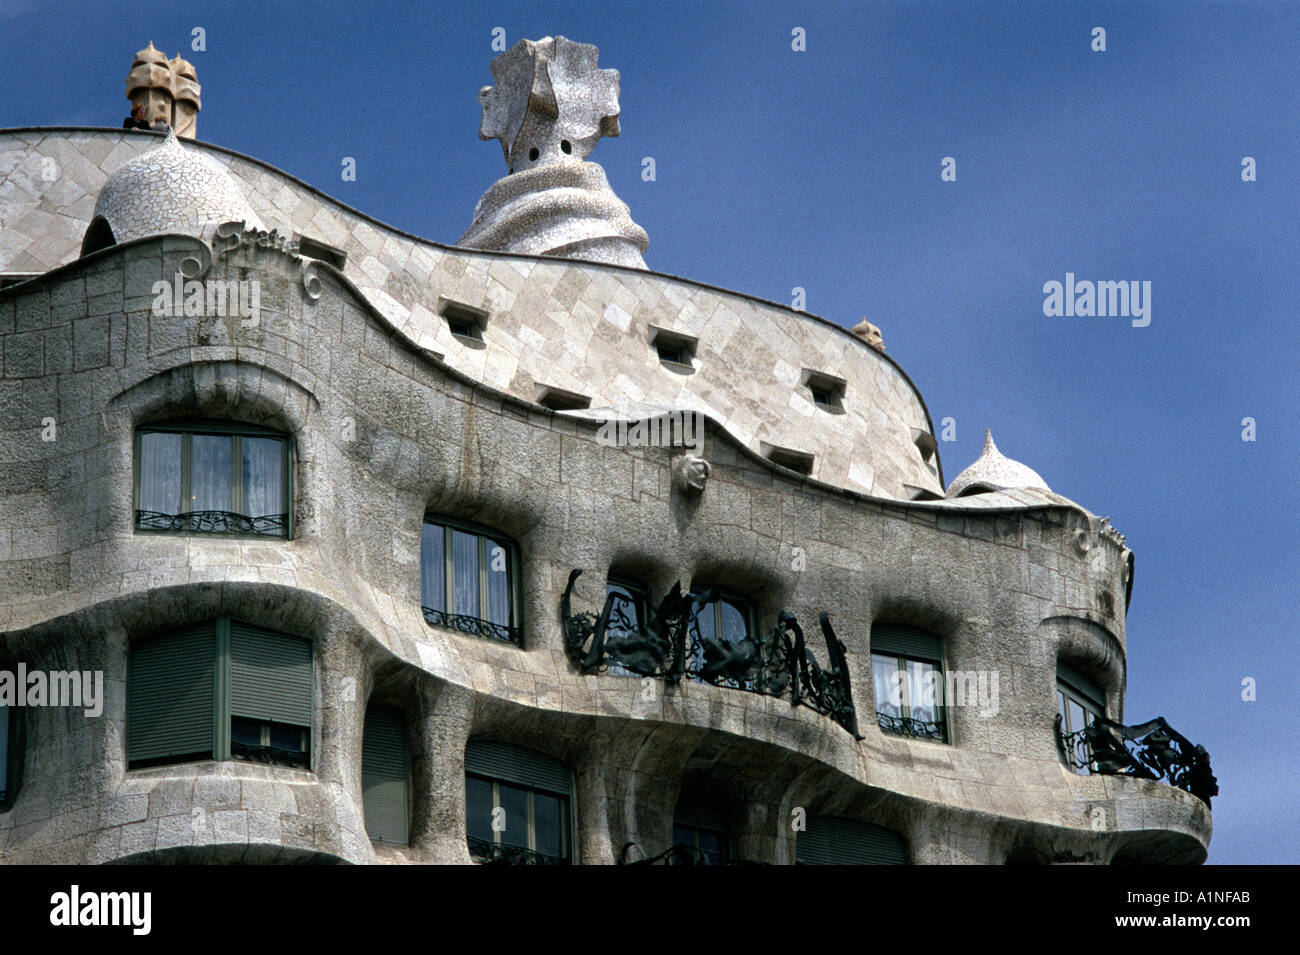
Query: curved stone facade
[{"x": 384, "y": 432}]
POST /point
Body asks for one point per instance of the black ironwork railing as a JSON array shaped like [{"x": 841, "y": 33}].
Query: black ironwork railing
[
  {"x": 474, "y": 626},
  {"x": 678, "y": 855},
  {"x": 1150, "y": 750},
  {"x": 271, "y": 755},
  {"x": 494, "y": 853},
  {"x": 213, "y": 522},
  {"x": 669, "y": 645},
  {"x": 907, "y": 726}
]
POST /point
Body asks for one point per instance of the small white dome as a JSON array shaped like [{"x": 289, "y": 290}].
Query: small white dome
[
  {"x": 168, "y": 190},
  {"x": 994, "y": 472}
]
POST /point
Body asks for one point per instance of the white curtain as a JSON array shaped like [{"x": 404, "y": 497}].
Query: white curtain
[
  {"x": 160, "y": 472},
  {"x": 263, "y": 476}
]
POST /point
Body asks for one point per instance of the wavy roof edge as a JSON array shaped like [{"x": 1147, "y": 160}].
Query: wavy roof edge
[{"x": 816, "y": 319}]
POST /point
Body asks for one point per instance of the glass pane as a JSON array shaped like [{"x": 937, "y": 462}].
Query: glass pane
[
  {"x": 263, "y": 476},
  {"x": 498, "y": 557},
  {"x": 160, "y": 472},
  {"x": 683, "y": 837},
  {"x": 478, "y": 808},
  {"x": 706, "y": 621},
  {"x": 735, "y": 622},
  {"x": 210, "y": 472},
  {"x": 625, "y": 612},
  {"x": 245, "y": 731},
  {"x": 464, "y": 555},
  {"x": 889, "y": 688},
  {"x": 515, "y": 803},
  {"x": 922, "y": 696},
  {"x": 433, "y": 568},
  {"x": 284, "y": 736},
  {"x": 548, "y": 825},
  {"x": 1078, "y": 720},
  {"x": 710, "y": 845}
]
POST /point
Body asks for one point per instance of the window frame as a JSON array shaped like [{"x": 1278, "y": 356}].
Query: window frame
[
  {"x": 901, "y": 658},
  {"x": 566, "y": 815},
  {"x": 187, "y": 428},
  {"x": 724, "y": 839},
  {"x": 1067, "y": 693},
  {"x": 222, "y": 729},
  {"x": 639, "y": 596},
  {"x": 514, "y": 583},
  {"x": 750, "y": 612}
]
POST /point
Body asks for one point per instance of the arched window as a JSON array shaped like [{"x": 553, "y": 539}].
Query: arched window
[
  {"x": 727, "y": 628},
  {"x": 469, "y": 579},
  {"x": 907, "y": 673},
  {"x": 831, "y": 840},
  {"x": 384, "y": 775},
  {"x": 517, "y": 805},
  {"x": 219, "y": 690},
  {"x": 213, "y": 478},
  {"x": 98, "y": 236}
]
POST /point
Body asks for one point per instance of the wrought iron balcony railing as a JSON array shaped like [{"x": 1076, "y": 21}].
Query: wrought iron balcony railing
[
  {"x": 677, "y": 855},
  {"x": 270, "y": 755},
  {"x": 495, "y": 853},
  {"x": 213, "y": 522},
  {"x": 474, "y": 626},
  {"x": 906, "y": 726},
  {"x": 670, "y": 645},
  {"x": 1150, "y": 750}
]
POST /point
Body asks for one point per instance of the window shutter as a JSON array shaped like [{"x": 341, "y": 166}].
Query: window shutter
[
  {"x": 699, "y": 815},
  {"x": 1081, "y": 683},
  {"x": 515, "y": 764},
  {"x": 905, "y": 641},
  {"x": 831, "y": 840},
  {"x": 270, "y": 676},
  {"x": 169, "y": 695},
  {"x": 384, "y": 775}
]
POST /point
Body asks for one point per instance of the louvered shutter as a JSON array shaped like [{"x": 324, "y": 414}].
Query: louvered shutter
[
  {"x": 270, "y": 676},
  {"x": 906, "y": 641},
  {"x": 1081, "y": 683},
  {"x": 515, "y": 764},
  {"x": 384, "y": 775},
  {"x": 830, "y": 840},
  {"x": 699, "y": 815},
  {"x": 170, "y": 695}
]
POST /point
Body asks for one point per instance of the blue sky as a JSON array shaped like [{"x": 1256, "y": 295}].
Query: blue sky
[{"x": 821, "y": 169}]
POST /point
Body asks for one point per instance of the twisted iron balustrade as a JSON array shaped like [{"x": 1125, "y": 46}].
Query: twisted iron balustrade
[
  {"x": 677, "y": 855},
  {"x": 213, "y": 522},
  {"x": 1150, "y": 750},
  {"x": 474, "y": 626},
  {"x": 495, "y": 853},
  {"x": 906, "y": 726},
  {"x": 670, "y": 645},
  {"x": 271, "y": 755}
]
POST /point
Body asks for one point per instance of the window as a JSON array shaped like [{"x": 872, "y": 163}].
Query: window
[
  {"x": 469, "y": 580},
  {"x": 220, "y": 690},
  {"x": 213, "y": 479},
  {"x": 1079, "y": 700},
  {"x": 722, "y": 625},
  {"x": 827, "y": 391},
  {"x": 384, "y": 775},
  {"x": 466, "y": 322},
  {"x": 830, "y": 840},
  {"x": 799, "y": 461},
  {"x": 516, "y": 805},
  {"x": 557, "y": 399},
  {"x": 627, "y": 615},
  {"x": 675, "y": 350},
  {"x": 907, "y": 673},
  {"x": 701, "y": 827}
]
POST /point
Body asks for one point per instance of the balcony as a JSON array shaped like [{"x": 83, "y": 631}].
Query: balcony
[{"x": 1151, "y": 750}]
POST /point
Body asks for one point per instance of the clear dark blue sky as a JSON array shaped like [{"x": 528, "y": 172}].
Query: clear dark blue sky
[{"x": 820, "y": 169}]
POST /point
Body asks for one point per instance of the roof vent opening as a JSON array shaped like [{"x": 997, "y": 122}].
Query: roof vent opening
[
  {"x": 466, "y": 322},
  {"x": 928, "y": 446},
  {"x": 676, "y": 351},
  {"x": 558, "y": 399},
  {"x": 827, "y": 391},
  {"x": 800, "y": 462},
  {"x": 99, "y": 236},
  {"x": 316, "y": 249}
]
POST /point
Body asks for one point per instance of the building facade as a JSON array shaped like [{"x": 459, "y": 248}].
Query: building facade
[{"x": 309, "y": 493}]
